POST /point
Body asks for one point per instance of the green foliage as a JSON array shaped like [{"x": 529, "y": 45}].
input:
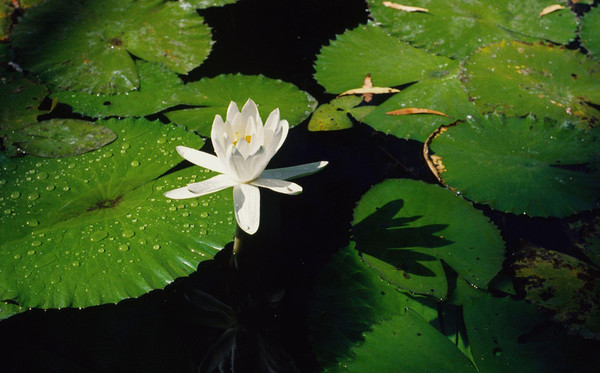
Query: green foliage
[
  {"x": 86, "y": 45},
  {"x": 507, "y": 162},
  {"x": 517, "y": 79},
  {"x": 590, "y": 32},
  {"x": 344, "y": 63},
  {"x": 455, "y": 28},
  {"x": 333, "y": 116},
  {"x": 90, "y": 229}
]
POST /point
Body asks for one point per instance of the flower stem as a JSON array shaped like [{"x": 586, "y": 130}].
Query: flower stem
[{"x": 237, "y": 246}]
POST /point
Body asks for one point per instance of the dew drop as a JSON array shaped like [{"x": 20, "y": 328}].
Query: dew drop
[
  {"x": 32, "y": 223},
  {"x": 497, "y": 351},
  {"x": 75, "y": 264},
  {"x": 15, "y": 195},
  {"x": 135, "y": 163},
  {"x": 202, "y": 232},
  {"x": 161, "y": 140},
  {"x": 17, "y": 256},
  {"x": 41, "y": 175},
  {"x": 173, "y": 208},
  {"x": 66, "y": 188},
  {"x": 31, "y": 252},
  {"x": 123, "y": 247},
  {"x": 204, "y": 214},
  {"x": 33, "y": 196},
  {"x": 128, "y": 233},
  {"x": 54, "y": 278},
  {"x": 50, "y": 187},
  {"x": 156, "y": 247},
  {"x": 142, "y": 241},
  {"x": 125, "y": 146},
  {"x": 36, "y": 243},
  {"x": 98, "y": 236},
  {"x": 71, "y": 165},
  {"x": 7, "y": 211},
  {"x": 101, "y": 250}
]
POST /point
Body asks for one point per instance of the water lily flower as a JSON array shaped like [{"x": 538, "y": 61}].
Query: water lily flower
[{"x": 243, "y": 148}]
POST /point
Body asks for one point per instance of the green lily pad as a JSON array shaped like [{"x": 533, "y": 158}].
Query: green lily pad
[
  {"x": 215, "y": 94},
  {"x": 517, "y": 79},
  {"x": 444, "y": 95},
  {"x": 455, "y": 28},
  {"x": 509, "y": 336},
  {"x": 8, "y": 309},
  {"x": 349, "y": 299},
  {"x": 409, "y": 225},
  {"x": 334, "y": 115},
  {"x": 344, "y": 63},
  {"x": 86, "y": 45},
  {"x": 61, "y": 137},
  {"x": 563, "y": 285},
  {"x": 586, "y": 237},
  {"x": 21, "y": 99},
  {"x": 203, "y": 4},
  {"x": 95, "y": 228},
  {"x": 159, "y": 89},
  {"x": 407, "y": 343},
  {"x": 590, "y": 32},
  {"x": 506, "y": 162}
]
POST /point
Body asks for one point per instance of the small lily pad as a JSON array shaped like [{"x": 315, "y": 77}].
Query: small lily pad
[
  {"x": 507, "y": 162},
  {"x": 215, "y": 94},
  {"x": 86, "y": 45},
  {"x": 333, "y": 116},
  {"x": 61, "y": 137},
  {"x": 517, "y": 79},
  {"x": 95, "y": 228},
  {"x": 344, "y": 63},
  {"x": 443, "y": 94},
  {"x": 410, "y": 225},
  {"x": 590, "y": 32},
  {"x": 563, "y": 285},
  {"x": 455, "y": 28}
]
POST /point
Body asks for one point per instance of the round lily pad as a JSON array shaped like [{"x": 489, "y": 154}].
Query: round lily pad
[
  {"x": 455, "y": 28},
  {"x": 521, "y": 165},
  {"x": 86, "y": 45},
  {"x": 517, "y": 79},
  {"x": 590, "y": 32},
  {"x": 409, "y": 225},
  {"x": 95, "y": 228},
  {"x": 333, "y": 116},
  {"x": 444, "y": 95},
  {"x": 344, "y": 63},
  {"x": 215, "y": 94}
]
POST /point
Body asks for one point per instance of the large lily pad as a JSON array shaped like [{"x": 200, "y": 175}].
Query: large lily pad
[
  {"x": 86, "y": 45},
  {"x": 590, "y": 32},
  {"x": 407, "y": 343},
  {"x": 215, "y": 94},
  {"x": 61, "y": 137},
  {"x": 334, "y": 115},
  {"x": 343, "y": 64},
  {"x": 95, "y": 228},
  {"x": 410, "y": 225},
  {"x": 521, "y": 165},
  {"x": 455, "y": 28},
  {"x": 563, "y": 285},
  {"x": 444, "y": 95},
  {"x": 517, "y": 79}
]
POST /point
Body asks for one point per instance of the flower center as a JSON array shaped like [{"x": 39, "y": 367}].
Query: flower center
[{"x": 238, "y": 136}]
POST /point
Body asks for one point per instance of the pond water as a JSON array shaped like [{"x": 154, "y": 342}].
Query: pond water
[{"x": 295, "y": 303}]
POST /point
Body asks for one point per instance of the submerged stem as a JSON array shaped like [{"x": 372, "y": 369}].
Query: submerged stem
[{"x": 237, "y": 246}]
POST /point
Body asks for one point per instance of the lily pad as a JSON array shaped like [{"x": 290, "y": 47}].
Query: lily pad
[
  {"x": 590, "y": 32},
  {"x": 344, "y": 63},
  {"x": 333, "y": 116},
  {"x": 203, "y": 4},
  {"x": 517, "y": 79},
  {"x": 407, "y": 343},
  {"x": 8, "y": 309},
  {"x": 586, "y": 237},
  {"x": 510, "y": 336},
  {"x": 455, "y": 28},
  {"x": 86, "y": 45},
  {"x": 21, "y": 99},
  {"x": 5, "y": 20},
  {"x": 563, "y": 285},
  {"x": 409, "y": 225},
  {"x": 61, "y": 137},
  {"x": 444, "y": 94},
  {"x": 215, "y": 94},
  {"x": 95, "y": 228},
  {"x": 349, "y": 299},
  {"x": 507, "y": 162}
]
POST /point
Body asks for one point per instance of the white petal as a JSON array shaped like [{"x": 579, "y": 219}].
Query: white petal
[
  {"x": 284, "y": 132},
  {"x": 279, "y": 186},
  {"x": 273, "y": 120},
  {"x": 246, "y": 200},
  {"x": 286, "y": 173},
  {"x": 214, "y": 184},
  {"x": 180, "y": 193},
  {"x": 232, "y": 110},
  {"x": 251, "y": 110},
  {"x": 201, "y": 159},
  {"x": 217, "y": 135}
]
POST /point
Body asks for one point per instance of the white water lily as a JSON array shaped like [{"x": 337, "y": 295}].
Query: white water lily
[{"x": 244, "y": 147}]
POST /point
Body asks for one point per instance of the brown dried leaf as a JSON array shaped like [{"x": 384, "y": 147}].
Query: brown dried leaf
[
  {"x": 404, "y": 8},
  {"x": 434, "y": 162},
  {"x": 413, "y": 110},
  {"x": 551, "y": 9},
  {"x": 367, "y": 90}
]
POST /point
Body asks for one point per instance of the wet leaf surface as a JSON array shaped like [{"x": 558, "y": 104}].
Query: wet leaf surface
[
  {"x": 90, "y": 229},
  {"x": 506, "y": 162},
  {"x": 590, "y": 32}
]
